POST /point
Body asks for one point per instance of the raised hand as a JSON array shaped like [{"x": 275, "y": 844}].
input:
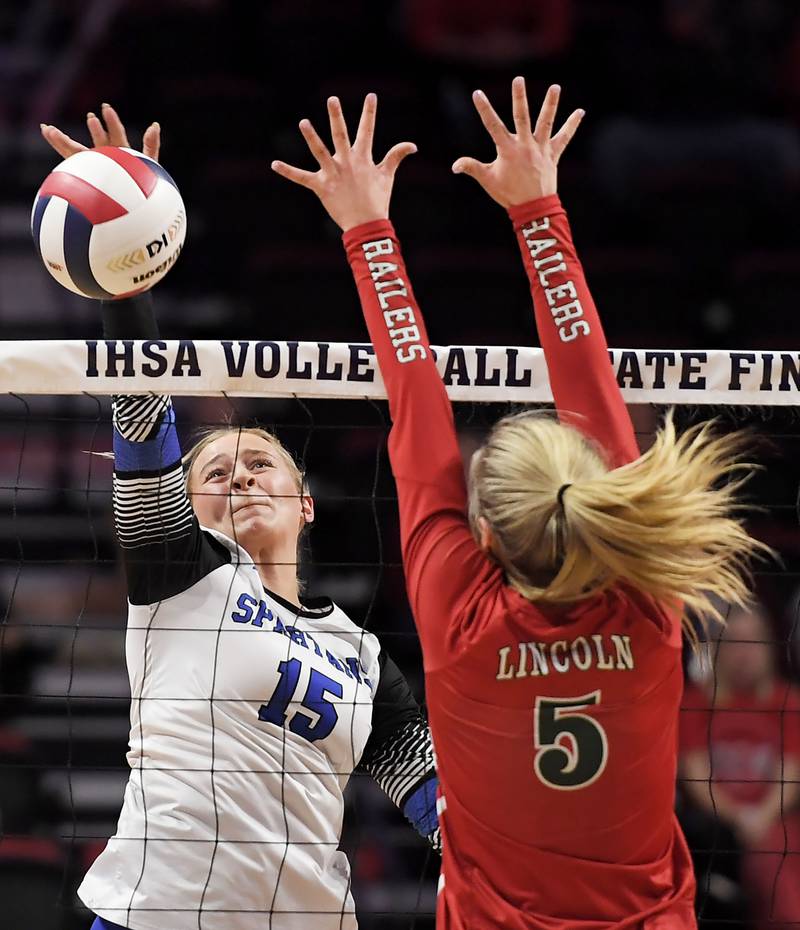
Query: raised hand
[
  {"x": 108, "y": 130},
  {"x": 526, "y": 164},
  {"x": 352, "y": 188}
]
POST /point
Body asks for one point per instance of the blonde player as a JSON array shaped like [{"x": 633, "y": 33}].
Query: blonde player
[{"x": 548, "y": 593}]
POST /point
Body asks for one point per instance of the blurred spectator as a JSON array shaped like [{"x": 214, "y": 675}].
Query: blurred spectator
[
  {"x": 502, "y": 34},
  {"x": 712, "y": 70},
  {"x": 740, "y": 754}
]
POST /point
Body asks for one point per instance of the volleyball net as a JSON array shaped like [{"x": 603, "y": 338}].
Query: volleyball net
[
  {"x": 480, "y": 374},
  {"x": 64, "y": 697}
]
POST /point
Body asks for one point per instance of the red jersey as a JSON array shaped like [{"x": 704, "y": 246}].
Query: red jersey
[
  {"x": 555, "y": 729},
  {"x": 748, "y": 737}
]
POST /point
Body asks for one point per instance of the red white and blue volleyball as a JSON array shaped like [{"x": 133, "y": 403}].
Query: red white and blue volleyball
[{"x": 108, "y": 222}]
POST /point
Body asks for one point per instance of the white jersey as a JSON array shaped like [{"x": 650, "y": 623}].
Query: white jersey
[
  {"x": 246, "y": 723},
  {"x": 248, "y": 716}
]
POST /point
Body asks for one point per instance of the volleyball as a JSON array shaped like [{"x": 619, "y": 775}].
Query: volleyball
[{"x": 108, "y": 222}]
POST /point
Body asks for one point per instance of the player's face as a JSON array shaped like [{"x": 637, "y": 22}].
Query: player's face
[{"x": 243, "y": 486}]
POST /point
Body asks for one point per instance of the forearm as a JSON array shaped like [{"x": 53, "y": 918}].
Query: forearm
[
  {"x": 138, "y": 418},
  {"x": 150, "y": 502},
  {"x": 403, "y": 760},
  {"x": 399, "y": 751},
  {"x": 144, "y": 434},
  {"x": 422, "y": 445},
  {"x": 163, "y": 547},
  {"x": 404, "y": 769},
  {"x": 584, "y": 387}
]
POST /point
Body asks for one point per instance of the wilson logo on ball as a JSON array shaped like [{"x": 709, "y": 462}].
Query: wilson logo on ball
[{"x": 104, "y": 212}]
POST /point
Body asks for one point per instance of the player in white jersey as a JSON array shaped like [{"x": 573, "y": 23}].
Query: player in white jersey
[{"x": 250, "y": 705}]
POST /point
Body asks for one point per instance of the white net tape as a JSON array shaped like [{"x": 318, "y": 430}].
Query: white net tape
[{"x": 348, "y": 370}]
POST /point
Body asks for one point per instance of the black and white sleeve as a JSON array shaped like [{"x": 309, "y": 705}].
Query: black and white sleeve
[
  {"x": 399, "y": 752},
  {"x": 164, "y": 549}
]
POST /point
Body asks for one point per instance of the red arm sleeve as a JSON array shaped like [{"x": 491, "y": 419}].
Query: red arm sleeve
[
  {"x": 443, "y": 565},
  {"x": 585, "y": 389}
]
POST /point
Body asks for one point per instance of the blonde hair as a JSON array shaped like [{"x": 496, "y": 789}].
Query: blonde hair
[
  {"x": 208, "y": 436},
  {"x": 565, "y": 526}
]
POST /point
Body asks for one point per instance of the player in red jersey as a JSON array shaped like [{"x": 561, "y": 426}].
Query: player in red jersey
[
  {"x": 740, "y": 756},
  {"x": 547, "y": 597}
]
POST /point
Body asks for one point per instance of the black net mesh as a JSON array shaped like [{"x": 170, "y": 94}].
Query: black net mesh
[{"x": 64, "y": 694}]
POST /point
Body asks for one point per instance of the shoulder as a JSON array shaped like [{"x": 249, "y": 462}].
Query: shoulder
[
  {"x": 324, "y": 616},
  {"x": 492, "y": 612},
  {"x": 161, "y": 570},
  {"x": 664, "y": 619}
]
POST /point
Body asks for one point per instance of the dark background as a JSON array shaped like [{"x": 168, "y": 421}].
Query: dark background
[{"x": 682, "y": 187}]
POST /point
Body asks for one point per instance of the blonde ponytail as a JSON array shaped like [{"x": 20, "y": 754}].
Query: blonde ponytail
[{"x": 564, "y": 526}]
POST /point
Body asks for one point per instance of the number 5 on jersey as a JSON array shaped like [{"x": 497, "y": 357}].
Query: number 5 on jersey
[{"x": 572, "y": 748}]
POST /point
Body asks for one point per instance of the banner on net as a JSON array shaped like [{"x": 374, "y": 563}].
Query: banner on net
[{"x": 349, "y": 370}]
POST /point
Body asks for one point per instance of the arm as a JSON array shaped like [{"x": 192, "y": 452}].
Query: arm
[
  {"x": 443, "y": 565},
  {"x": 523, "y": 179},
  {"x": 399, "y": 752},
  {"x": 584, "y": 386},
  {"x": 163, "y": 547}
]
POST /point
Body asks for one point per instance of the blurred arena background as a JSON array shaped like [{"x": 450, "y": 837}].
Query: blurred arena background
[{"x": 682, "y": 187}]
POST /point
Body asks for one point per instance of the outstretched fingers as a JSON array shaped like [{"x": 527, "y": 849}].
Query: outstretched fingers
[
  {"x": 116, "y": 134},
  {"x": 519, "y": 102},
  {"x": 316, "y": 146},
  {"x": 547, "y": 115},
  {"x": 151, "y": 141},
  {"x": 491, "y": 121},
  {"x": 471, "y": 166},
  {"x": 395, "y": 155},
  {"x": 97, "y": 130},
  {"x": 366, "y": 125},
  {"x": 564, "y": 135},
  {"x": 298, "y": 175},
  {"x": 339, "y": 134},
  {"x": 105, "y": 130},
  {"x": 60, "y": 141}
]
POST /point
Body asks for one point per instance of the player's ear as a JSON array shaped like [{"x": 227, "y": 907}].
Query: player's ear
[
  {"x": 485, "y": 536},
  {"x": 306, "y": 510}
]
